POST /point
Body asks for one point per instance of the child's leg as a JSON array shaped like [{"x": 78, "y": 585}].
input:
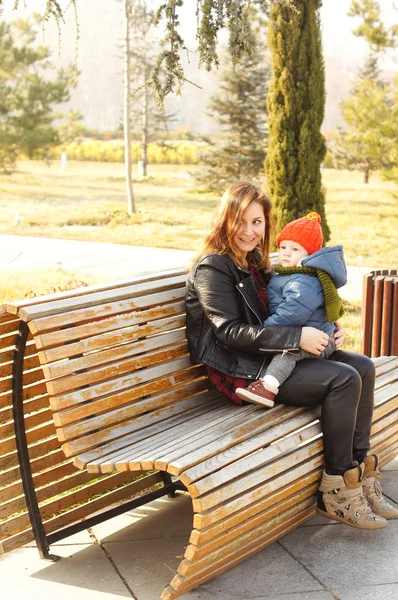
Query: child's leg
[{"x": 281, "y": 366}]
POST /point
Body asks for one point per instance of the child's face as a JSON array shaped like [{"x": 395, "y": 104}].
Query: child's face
[{"x": 290, "y": 253}]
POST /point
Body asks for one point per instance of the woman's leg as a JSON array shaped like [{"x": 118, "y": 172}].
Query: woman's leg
[
  {"x": 337, "y": 387},
  {"x": 366, "y": 370}
]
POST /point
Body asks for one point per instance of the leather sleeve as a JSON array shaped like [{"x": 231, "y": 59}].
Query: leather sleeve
[{"x": 220, "y": 301}]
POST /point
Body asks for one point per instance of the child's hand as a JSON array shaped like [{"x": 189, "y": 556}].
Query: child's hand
[{"x": 338, "y": 336}]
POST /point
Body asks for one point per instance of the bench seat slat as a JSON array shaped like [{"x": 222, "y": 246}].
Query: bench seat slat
[
  {"x": 112, "y": 425},
  {"x": 386, "y": 393},
  {"x": 177, "y": 455},
  {"x": 125, "y": 348},
  {"x": 115, "y": 386},
  {"x": 201, "y": 437},
  {"x": 154, "y": 436},
  {"x": 247, "y": 539},
  {"x": 113, "y": 369},
  {"x": 253, "y": 460},
  {"x": 265, "y": 471},
  {"x": 267, "y": 492},
  {"x": 52, "y": 343},
  {"x": 262, "y": 431},
  {"x": 104, "y": 420},
  {"x": 241, "y": 523},
  {"x": 122, "y": 435},
  {"x": 54, "y": 311}
]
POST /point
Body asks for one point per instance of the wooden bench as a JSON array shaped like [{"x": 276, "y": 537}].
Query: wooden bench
[{"x": 125, "y": 399}]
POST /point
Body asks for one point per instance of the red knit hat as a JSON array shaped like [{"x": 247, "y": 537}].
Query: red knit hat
[{"x": 305, "y": 231}]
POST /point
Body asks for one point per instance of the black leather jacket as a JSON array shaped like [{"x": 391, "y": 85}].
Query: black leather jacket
[{"x": 224, "y": 320}]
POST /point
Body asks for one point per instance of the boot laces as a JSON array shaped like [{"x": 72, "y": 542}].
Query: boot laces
[{"x": 360, "y": 503}]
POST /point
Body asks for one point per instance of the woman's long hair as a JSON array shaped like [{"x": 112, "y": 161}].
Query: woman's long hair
[{"x": 227, "y": 220}]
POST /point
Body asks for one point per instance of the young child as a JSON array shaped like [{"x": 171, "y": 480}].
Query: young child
[{"x": 302, "y": 292}]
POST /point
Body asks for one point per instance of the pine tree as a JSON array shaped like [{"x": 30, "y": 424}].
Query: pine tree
[
  {"x": 28, "y": 95},
  {"x": 370, "y": 137},
  {"x": 240, "y": 107},
  {"x": 296, "y": 103},
  {"x": 370, "y": 140},
  {"x": 370, "y": 69}
]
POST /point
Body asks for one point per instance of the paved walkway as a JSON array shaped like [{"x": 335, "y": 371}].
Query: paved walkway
[
  {"x": 136, "y": 554},
  {"x": 24, "y": 253}
]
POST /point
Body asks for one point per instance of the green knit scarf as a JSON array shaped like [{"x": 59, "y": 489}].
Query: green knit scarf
[{"x": 333, "y": 305}]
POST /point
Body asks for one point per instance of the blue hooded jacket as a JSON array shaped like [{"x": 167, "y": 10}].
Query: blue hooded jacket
[{"x": 298, "y": 299}]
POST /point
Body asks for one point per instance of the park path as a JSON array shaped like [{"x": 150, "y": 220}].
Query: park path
[{"x": 77, "y": 258}]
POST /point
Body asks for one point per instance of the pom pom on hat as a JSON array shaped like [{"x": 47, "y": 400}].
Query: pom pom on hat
[{"x": 306, "y": 231}]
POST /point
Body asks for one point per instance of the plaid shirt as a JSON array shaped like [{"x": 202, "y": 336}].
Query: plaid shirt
[{"x": 227, "y": 384}]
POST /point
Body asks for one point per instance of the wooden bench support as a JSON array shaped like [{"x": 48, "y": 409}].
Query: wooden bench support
[{"x": 116, "y": 377}]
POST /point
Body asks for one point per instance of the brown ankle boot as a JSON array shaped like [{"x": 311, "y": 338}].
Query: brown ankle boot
[
  {"x": 373, "y": 492},
  {"x": 340, "y": 497}
]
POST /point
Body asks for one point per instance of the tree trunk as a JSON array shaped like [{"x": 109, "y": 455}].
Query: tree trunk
[
  {"x": 366, "y": 174},
  {"x": 144, "y": 156},
  {"x": 127, "y": 138}
]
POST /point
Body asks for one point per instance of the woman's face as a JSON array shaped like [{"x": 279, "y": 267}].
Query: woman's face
[{"x": 252, "y": 228}]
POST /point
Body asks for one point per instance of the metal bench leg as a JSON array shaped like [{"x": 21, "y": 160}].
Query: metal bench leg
[
  {"x": 168, "y": 482},
  {"x": 22, "y": 446}
]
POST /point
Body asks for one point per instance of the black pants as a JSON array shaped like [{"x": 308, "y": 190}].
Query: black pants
[{"x": 344, "y": 386}]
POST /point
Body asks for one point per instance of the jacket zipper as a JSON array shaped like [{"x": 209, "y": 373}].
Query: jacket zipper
[
  {"x": 286, "y": 350},
  {"x": 248, "y": 304}
]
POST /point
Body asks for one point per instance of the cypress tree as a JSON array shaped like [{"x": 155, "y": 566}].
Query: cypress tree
[{"x": 296, "y": 102}]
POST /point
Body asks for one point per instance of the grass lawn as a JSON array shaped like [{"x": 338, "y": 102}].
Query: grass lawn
[{"x": 87, "y": 201}]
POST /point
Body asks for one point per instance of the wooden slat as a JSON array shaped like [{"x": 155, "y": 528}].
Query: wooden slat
[
  {"x": 250, "y": 516},
  {"x": 185, "y": 442},
  {"x": 110, "y": 356},
  {"x": 142, "y": 278},
  {"x": 366, "y": 314},
  {"x": 113, "y": 438},
  {"x": 164, "y": 423},
  {"x": 233, "y": 447},
  {"x": 250, "y": 539},
  {"x": 394, "y": 324},
  {"x": 62, "y": 343},
  {"x": 112, "y": 417},
  {"x": 386, "y": 321},
  {"x": 117, "y": 346},
  {"x": 51, "y": 315},
  {"x": 270, "y": 491},
  {"x": 249, "y": 479},
  {"x": 254, "y": 460},
  {"x": 113, "y": 387}
]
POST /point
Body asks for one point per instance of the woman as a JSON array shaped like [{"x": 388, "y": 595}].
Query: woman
[{"x": 226, "y": 302}]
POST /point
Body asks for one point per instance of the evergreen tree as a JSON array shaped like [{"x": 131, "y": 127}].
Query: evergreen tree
[
  {"x": 370, "y": 69},
  {"x": 240, "y": 107},
  {"x": 371, "y": 137},
  {"x": 296, "y": 109},
  {"x": 27, "y": 95},
  {"x": 370, "y": 140}
]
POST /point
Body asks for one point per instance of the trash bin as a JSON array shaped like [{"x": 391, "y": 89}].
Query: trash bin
[{"x": 379, "y": 314}]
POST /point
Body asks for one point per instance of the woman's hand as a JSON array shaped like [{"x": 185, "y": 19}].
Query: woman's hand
[
  {"x": 313, "y": 340},
  {"x": 338, "y": 336}
]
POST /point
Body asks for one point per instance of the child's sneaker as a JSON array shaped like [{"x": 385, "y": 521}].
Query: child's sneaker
[{"x": 257, "y": 394}]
